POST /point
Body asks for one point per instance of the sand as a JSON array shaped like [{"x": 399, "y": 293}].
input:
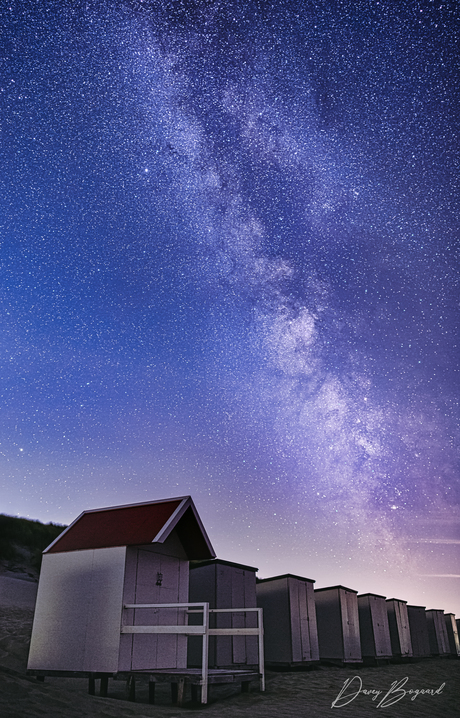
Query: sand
[{"x": 307, "y": 694}]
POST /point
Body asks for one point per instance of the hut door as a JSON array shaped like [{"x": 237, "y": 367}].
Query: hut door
[
  {"x": 300, "y": 630},
  {"x": 158, "y": 580},
  {"x": 380, "y": 626},
  {"x": 351, "y": 643}
]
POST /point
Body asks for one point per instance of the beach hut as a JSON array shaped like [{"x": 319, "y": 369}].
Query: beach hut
[
  {"x": 418, "y": 631},
  {"x": 452, "y": 634},
  {"x": 137, "y": 553},
  {"x": 338, "y": 624},
  {"x": 290, "y": 629},
  {"x": 437, "y": 632},
  {"x": 401, "y": 644},
  {"x": 373, "y": 628},
  {"x": 224, "y": 584}
]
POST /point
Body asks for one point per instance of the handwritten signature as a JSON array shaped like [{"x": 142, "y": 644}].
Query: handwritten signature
[{"x": 353, "y": 687}]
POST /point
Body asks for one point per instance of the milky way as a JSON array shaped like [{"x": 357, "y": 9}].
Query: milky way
[{"x": 230, "y": 269}]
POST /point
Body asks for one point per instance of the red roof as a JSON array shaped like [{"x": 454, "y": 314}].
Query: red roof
[{"x": 137, "y": 524}]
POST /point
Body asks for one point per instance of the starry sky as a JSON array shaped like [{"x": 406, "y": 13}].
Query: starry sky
[{"x": 230, "y": 269}]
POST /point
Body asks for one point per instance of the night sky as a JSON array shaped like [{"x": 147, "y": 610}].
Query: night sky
[{"x": 230, "y": 269}]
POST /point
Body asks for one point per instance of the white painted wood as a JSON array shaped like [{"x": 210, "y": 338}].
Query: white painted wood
[
  {"x": 203, "y": 629},
  {"x": 76, "y": 590}
]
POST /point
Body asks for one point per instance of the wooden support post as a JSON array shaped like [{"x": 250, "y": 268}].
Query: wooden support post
[
  {"x": 181, "y": 692},
  {"x": 196, "y": 693},
  {"x": 104, "y": 686},
  {"x": 151, "y": 693},
  {"x": 92, "y": 686},
  {"x": 174, "y": 693},
  {"x": 245, "y": 686},
  {"x": 131, "y": 689}
]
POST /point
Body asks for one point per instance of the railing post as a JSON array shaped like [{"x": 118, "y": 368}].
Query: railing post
[
  {"x": 261, "y": 648},
  {"x": 205, "y": 655}
]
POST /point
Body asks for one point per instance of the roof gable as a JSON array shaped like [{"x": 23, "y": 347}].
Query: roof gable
[{"x": 137, "y": 524}]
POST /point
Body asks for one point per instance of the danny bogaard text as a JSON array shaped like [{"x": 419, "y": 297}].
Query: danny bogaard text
[{"x": 353, "y": 687}]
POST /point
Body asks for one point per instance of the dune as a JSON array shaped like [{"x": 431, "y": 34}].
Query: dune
[{"x": 308, "y": 694}]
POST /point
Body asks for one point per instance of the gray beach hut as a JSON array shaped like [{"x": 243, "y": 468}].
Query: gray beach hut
[
  {"x": 338, "y": 624},
  {"x": 418, "y": 631},
  {"x": 374, "y": 629},
  {"x": 290, "y": 629},
  {"x": 224, "y": 584},
  {"x": 401, "y": 644},
  {"x": 452, "y": 634},
  {"x": 437, "y": 632}
]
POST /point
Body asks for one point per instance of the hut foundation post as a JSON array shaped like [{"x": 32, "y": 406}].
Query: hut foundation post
[
  {"x": 131, "y": 689},
  {"x": 103, "y": 689}
]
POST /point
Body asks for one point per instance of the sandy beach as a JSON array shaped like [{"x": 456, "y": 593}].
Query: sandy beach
[{"x": 309, "y": 694}]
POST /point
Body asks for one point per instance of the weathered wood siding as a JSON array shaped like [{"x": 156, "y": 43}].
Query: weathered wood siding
[
  {"x": 452, "y": 634},
  {"x": 225, "y": 585},
  {"x": 401, "y": 644},
  {"x": 338, "y": 624},
  {"x": 418, "y": 631},
  {"x": 437, "y": 632},
  {"x": 373, "y": 626},
  {"x": 290, "y": 630}
]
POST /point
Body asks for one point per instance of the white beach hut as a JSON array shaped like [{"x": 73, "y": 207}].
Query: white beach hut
[
  {"x": 374, "y": 628},
  {"x": 105, "y": 559},
  {"x": 338, "y": 624},
  {"x": 401, "y": 644},
  {"x": 291, "y": 633}
]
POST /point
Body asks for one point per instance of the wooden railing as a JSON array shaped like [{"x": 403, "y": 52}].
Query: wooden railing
[{"x": 205, "y": 631}]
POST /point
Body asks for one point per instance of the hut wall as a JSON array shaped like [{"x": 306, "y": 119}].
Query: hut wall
[
  {"x": 418, "y": 631},
  {"x": 225, "y": 585},
  {"x": 78, "y": 611},
  {"x": 290, "y": 630},
  {"x": 437, "y": 632},
  {"x": 452, "y": 634},
  {"x": 338, "y": 624},
  {"x": 373, "y": 626},
  {"x": 157, "y": 573},
  {"x": 401, "y": 644}
]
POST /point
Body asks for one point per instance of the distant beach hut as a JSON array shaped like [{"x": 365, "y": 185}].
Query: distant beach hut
[
  {"x": 374, "y": 628},
  {"x": 291, "y": 633},
  {"x": 224, "y": 584},
  {"x": 452, "y": 634},
  {"x": 419, "y": 631},
  {"x": 437, "y": 632},
  {"x": 338, "y": 624},
  {"x": 401, "y": 644},
  {"x": 106, "y": 558}
]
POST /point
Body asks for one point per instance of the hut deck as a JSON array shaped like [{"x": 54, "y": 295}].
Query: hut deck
[{"x": 178, "y": 678}]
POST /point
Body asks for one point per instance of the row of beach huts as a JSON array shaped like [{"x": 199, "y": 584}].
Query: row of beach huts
[{"x": 136, "y": 592}]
